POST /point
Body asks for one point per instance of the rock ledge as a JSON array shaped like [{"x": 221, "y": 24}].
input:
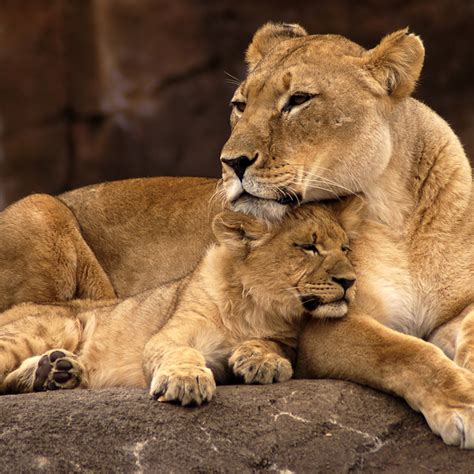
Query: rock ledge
[{"x": 299, "y": 426}]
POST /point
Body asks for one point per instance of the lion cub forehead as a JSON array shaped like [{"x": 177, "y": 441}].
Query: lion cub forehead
[{"x": 312, "y": 220}]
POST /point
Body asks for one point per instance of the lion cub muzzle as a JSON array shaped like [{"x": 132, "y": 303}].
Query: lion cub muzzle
[{"x": 335, "y": 304}]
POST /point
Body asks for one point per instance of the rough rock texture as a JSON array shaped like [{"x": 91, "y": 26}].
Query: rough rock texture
[
  {"x": 94, "y": 90},
  {"x": 300, "y": 426}
]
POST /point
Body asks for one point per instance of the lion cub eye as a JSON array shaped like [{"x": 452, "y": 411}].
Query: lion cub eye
[
  {"x": 346, "y": 249},
  {"x": 309, "y": 248},
  {"x": 297, "y": 99},
  {"x": 238, "y": 105}
]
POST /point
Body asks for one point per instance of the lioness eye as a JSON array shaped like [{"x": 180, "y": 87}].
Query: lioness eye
[
  {"x": 240, "y": 106},
  {"x": 297, "y": 99},
  {"x": 346, "y": 249}
]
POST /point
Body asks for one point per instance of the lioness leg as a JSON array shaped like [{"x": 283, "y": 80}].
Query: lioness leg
[
  {"x": 456, "y": 338},
  {"x": 364, "y": 351},
  {"x": 464, "y": 355},
  {"x": 260, "y": 361},
  {"x": 37, "y": 331},
  {"x": 43, "y": 256}
]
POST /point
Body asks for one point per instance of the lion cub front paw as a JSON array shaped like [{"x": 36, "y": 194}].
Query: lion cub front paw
[
  {"x": 186, "y": 384},
  {"x": 257, "y": 366}
]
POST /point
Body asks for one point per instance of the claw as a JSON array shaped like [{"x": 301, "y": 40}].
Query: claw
[{"x": 461, "y": 430}]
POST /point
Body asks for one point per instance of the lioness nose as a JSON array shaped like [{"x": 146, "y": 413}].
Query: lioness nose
[
  {"x": 239, "y": 164},
  {"x": 346, "y": 283}
]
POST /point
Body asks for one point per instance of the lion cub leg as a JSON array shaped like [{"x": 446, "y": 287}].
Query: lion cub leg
[
  {"x": 175, "y": 361},
  {"x": 261, "y": 361},
  {"x": 464, "y": 355},
  {"x": 28, "y": 355},
  {"x": 56, "y": 369}
]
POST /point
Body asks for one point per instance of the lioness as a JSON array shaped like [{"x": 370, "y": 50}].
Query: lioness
[
  {"x": 318, "y": 116},
  {"x": 241, "y": 308}
]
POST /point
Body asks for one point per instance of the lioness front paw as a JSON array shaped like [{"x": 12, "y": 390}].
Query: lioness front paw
[
  {"x": 58, "y": 369},
  {"x": 454, "y": 425},
  {"x": 451, "y": 414},
  {"x": 185, "y": 384},
  {"x": 255, "y": 365}
]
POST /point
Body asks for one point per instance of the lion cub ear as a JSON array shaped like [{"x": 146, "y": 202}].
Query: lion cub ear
[
  {"x": 396, "y": 63},
  {"x": 236, "y": 229},
  {"x": 350, "y": 213},
  {"x": 267, "y": 37}
]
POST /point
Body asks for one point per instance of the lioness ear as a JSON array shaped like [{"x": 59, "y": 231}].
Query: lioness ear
[
  {"x": 236, "y": 228},
  {"x": 267, "y": 37},
  {"x": 396, "y": 63}
]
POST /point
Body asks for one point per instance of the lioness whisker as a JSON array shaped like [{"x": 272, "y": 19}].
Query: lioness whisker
[
  {"x": 287, "y": 190},
  {"x": 230, "y": 81},
  {"x": 217, "y": 195},
  {"x": 238, "y": 81},
  {"x": 322, "y": 180},
  {"x": 318, "y": 186},
  {"x": 293, "y": 190},
  {"x": 330, "y": 181}
]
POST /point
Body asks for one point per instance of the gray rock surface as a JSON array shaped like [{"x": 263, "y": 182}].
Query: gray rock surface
[{"x": 300, "y": 426}]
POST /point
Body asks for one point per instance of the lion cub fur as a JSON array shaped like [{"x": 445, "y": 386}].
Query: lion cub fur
[{"x": 238, "y": 314}]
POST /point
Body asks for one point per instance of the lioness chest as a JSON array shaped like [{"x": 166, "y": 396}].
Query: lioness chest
[{"x": 391, "y": 287}]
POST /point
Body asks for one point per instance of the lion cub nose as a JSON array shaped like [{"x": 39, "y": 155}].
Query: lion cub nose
[
  {"x": 346, "y": 283},
  {"x": 239, "y": 164}
]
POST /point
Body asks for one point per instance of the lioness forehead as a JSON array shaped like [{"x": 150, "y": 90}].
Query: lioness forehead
[
  {"x": 316, "y": 53},
  {"x": 309, "y": 48}
]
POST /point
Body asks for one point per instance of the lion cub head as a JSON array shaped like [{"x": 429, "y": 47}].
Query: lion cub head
[
  {"x": 299, "y": 266},
  {"x": 313, "y": 118}
]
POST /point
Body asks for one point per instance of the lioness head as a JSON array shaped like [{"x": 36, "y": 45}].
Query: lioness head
[
  {"x": 298, "y": 266},
  {"x": 312, "y": 119}
]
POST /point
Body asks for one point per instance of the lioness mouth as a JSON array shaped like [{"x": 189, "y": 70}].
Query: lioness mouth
[
  {"x": 285, "y": 200},
  {"x": 290, "y": 199},
  {"x": 246, "y": 194}
]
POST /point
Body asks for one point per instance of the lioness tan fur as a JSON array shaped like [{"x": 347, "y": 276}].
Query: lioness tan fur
[
  {"x": 238, "y": 314},
  {"x": 320, "y": 116},
  {"x": 317, "y": 117}
]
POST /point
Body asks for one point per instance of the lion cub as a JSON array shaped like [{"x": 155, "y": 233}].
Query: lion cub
[{"x": 237, "y": 314}]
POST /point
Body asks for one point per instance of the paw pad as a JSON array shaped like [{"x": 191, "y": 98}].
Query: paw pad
[{"x": 57, "y": 370}]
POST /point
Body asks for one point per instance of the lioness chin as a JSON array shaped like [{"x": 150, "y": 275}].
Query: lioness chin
[{"x": 238, "y": 315}]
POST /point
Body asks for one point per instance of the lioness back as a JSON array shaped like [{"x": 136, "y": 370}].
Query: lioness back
[{"x": 133, "y": 227}]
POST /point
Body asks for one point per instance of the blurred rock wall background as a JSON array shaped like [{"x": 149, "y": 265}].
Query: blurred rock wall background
[{"x": 95, "y": 90}]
